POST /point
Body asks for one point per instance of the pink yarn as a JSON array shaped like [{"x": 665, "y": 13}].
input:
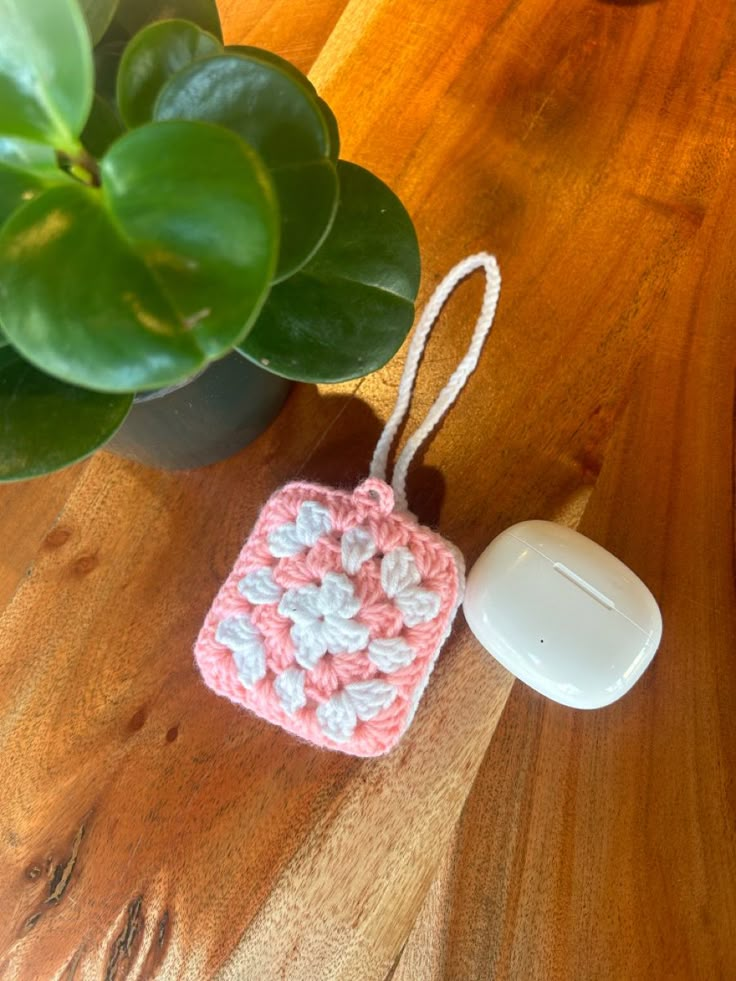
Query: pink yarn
[
  {"x": 337, "y": 607},
  {"x": 371, "y": 508}
]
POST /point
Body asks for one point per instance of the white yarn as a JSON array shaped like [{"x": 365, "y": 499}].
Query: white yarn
[
  {"x": 454, "y": 386},
  {"x": 312, "y": 521},
  {"x": 323, "y": 619},
  {"x": 289, "y": 686},
  {"x": 337, "y": 595},
  {"x": 399, "y": 571},
  {"x": 337, "y": 717},
  {"x": 370, "y": 697},
  {"x": 419, "y": 690},
  {"x": 300, "y": 604},
  {"x": 400, "y": 580},
  {"x": 238, "y": 633},
  {"x": 244, "y": 640},
  {"x": 363, "y": 700},
  {"x": 357, "y": 547},
  {"x": 417, "y": 605},
  {"x": 390, "y": 654},
  {"x": 344, "y": 636},
  {"x": 284, "y": 541},
  {"x": 309, "y": 644},
  {"x": 259, "y": 587},
  {"x": 251, "y": 666}
]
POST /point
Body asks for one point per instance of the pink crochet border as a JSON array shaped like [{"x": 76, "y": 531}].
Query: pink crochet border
[{"x": 371, "y": 506}]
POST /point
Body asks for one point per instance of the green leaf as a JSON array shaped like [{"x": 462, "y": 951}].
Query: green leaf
[
  {"x": 107, "y": 60},
  {"x": 135, "y": 14},
  {"x": 332, "y": 128},
  {"x": 79, "y": 303},
  {"x": 271, "y": 58},
  {"x": 138, "y": 285},
  {"x": 347, "y": 311},
  {"x": 25, "y": 170},
  {"x": 46, "y": 425},
  {"x": 308, "y": 196},
  {"x": 275, "y": 114},
  {"x": 99, "y": 14},
  {"x": 102, "y": 129},
  {"x": 200, "y": 205},
  {"x": 152, "y": 57},
  {"x": 45, "y": 71},
  {"x": 261, "y": 54}
]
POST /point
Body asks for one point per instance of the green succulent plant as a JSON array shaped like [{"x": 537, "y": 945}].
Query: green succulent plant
[{"x": 166, "y": 199}]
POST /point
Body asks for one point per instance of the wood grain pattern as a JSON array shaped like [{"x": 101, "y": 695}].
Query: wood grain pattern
[
  {"x": 604, "y": 844},
  {"x": 150, "y": 829},
  {"x": 27, "y": 510},
  {"x": 296, "y": 31}
]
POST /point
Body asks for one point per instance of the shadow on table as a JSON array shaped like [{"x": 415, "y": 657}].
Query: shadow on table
[{"x": 343, "y": 456}]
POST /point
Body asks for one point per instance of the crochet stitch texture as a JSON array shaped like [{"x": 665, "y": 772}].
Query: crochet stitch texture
[
  {"x": 331, "y": 621},
  {"x": 333, "y": 616}
]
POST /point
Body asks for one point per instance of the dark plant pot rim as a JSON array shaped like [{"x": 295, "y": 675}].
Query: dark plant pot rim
[
  {"x": 204, "y": 418},
  {"x": 159, "y": 393}
]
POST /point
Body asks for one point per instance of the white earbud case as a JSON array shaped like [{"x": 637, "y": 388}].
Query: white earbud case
[{"x": 562, "y": 614}]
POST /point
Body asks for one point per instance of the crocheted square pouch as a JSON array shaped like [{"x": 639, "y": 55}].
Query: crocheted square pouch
[
  {"x": 339, "y": 603},
  {"x": 333, "y": 616}
]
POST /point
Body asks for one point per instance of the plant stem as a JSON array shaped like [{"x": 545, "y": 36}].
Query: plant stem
[
  {"x": 91, "y": 166},
  {"x": 81, "y": 165}
]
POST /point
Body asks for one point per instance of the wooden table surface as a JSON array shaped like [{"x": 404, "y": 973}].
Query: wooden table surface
[{"x": 149, "y": 828}]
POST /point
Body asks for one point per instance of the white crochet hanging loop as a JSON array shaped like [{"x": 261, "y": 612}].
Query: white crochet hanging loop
[
  {"x": 336, "y": 610},
  {"x": 456, "y": 383}
]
